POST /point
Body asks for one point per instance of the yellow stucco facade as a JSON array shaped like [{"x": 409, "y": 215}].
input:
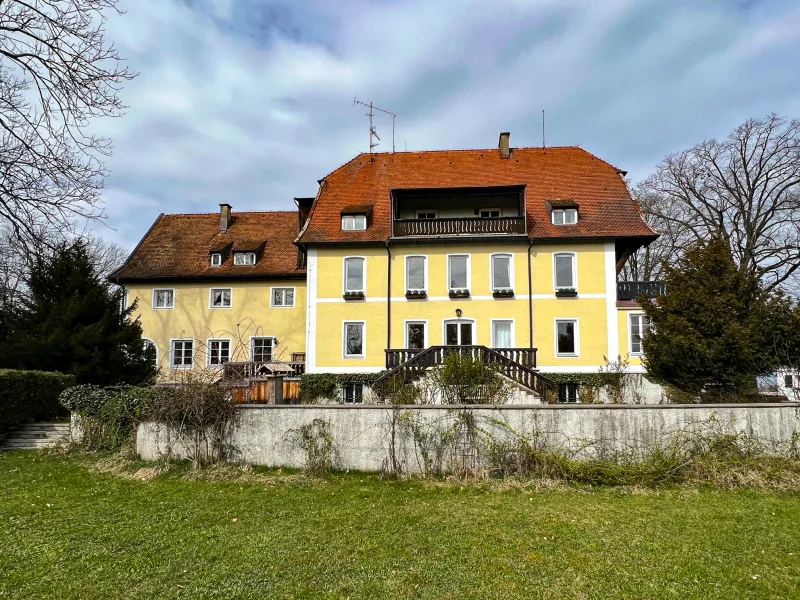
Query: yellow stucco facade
[
  {"x": 252, "y": 313},
  {"x": 593, "y": 311}
]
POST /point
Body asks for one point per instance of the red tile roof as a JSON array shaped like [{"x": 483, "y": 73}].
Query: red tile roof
[
  {"x": 605, "y": 206},
  {"x": 179, "y": 247}
]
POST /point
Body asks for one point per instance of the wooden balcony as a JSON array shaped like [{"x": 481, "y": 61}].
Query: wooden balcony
[
  {"x": 463, "y": 226},
  {"x": 631, "y": 290},
  {"x": 524, "y": 356}
]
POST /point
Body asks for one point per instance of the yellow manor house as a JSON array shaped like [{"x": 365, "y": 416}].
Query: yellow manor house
[{"x": 515, "y": 252}]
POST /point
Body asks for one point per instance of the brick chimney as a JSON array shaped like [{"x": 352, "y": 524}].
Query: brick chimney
[
  {"x": 225, "y": 218},
  {"x": 505, "y": 151}
]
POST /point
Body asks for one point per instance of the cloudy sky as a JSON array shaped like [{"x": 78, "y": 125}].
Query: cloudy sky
[{"x": 251, "y": 101}]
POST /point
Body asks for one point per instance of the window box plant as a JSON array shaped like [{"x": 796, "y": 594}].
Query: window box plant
[
  {"x": 353, "y": 295},
  {"x": 566, "y": 292},
  {"x": 503, "y": 293},
  {"x": 416, "y": 294},
  {"x": 461, "y": 293}
]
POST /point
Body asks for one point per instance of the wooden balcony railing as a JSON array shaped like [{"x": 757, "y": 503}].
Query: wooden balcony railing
[
  {"x": 465, "y": 226},
  {"x": 630, "y": 290},
  {"x": 524, "y": 356},
  {"x": 241, "y": 371}
]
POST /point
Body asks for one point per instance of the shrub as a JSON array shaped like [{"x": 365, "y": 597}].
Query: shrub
[{"x": 28, "y": 396}]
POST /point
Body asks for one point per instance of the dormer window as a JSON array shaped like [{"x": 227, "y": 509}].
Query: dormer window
[
  {"x": 565, "y": 216},
  {"x": 244, "y": 258},
  {"x": 216, "y": 259},
  {"x": 354, "y": 222}
]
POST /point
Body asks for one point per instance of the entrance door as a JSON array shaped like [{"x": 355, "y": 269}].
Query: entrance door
[{"x": 458, "y": 332}]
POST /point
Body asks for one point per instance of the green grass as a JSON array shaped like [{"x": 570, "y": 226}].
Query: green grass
[{"x": 68, "y": 530}]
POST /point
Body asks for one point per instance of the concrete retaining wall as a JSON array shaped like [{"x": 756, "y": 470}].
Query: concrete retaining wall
[{"x": 363, "y": 435}]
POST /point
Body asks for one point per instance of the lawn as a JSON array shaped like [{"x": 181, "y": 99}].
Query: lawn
[{"x": 69, "y": 530}]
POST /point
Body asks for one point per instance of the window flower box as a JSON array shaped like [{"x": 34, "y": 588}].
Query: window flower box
[
  {"x": 503, "y": 293},
  {"x": 416, "y": 294},
  {"x": 353, "y": 295},
  {"x": 566, "y": 292},
  {"x": 462, "y": 293}
]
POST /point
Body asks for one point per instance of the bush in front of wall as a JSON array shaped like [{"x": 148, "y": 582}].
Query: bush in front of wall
[
  {"x": 28, "y": 396},
  {"x": 318, "y": 386}
]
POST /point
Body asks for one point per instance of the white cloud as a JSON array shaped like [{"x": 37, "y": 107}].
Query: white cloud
[{"x": 250, "y": 102}]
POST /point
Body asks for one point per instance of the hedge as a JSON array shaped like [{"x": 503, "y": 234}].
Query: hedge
[
  {"x": 29, "y": 396},
  {"x": 315, "y": 386}
]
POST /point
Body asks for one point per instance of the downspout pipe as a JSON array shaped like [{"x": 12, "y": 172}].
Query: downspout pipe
[
  {"x": 530, "y": 298},
  {"x": 388, "y": 296}
]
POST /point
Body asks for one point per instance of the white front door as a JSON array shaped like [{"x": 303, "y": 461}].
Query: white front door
[{"x": 459, "y": 332}]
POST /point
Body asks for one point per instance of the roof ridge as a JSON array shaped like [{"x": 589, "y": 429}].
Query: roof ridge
[
  {"x": 244, "y": 212},
  {"x": 432, "y": 151}
]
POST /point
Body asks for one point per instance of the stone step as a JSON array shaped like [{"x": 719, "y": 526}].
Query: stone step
[
  {"x": 16, "y": 445},
  {"x": 38, "y": 435},
  {"x": 45, "y": 427}
]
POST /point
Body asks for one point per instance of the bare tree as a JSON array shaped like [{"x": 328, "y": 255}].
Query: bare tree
[
  {"x": 57, "y": 73},
  {"x": 107, "y": 256},
  {"x": 746, "y": 187}
]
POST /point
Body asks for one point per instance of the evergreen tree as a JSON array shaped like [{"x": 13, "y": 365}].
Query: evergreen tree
[
  {"x": 72, "y": 321},
  {"x": 717, "y": 328}
]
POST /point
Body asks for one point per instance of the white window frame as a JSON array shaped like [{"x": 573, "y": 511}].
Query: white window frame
[
  {"x": 513, "y": 331},
  {"x": 172, "y": 364},
  {"x": 218, "y": 257},
  {"x": 354, "y": 219},
  {"x": 424, "y": 323},
  {"x": 155, "y": 291},
  {"x": 510, "y": 269},
  {"x": 563, "y": 213},
  {"x": 246, "y": 256},
  {"x": 211, "y": 298},
  {"x": 577, "y": 328},
  {"x": 252, "y": 346},
  {"x": 461, "y": 320},
  {"x": 363, "y": 275},
  {"x": 145, "y": 339},
  {"x": 208, "y": 351},
  {"x": 500, "y": 210},
  {"x": 631, "y": 316},
  {"x": 424, "y": 272},
  {"x": 282, "y": 287},
  {"x": 574, "y": 257},
  {"x": 469, "y": 270},
  {"x": 363, "y": 339},
  {"x": 426, "y": 211}
]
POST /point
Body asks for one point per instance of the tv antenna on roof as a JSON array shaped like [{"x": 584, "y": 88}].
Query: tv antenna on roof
[{"x": 372, "y": 133}]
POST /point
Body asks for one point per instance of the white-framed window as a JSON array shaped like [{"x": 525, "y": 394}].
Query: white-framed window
[
  {"x": 568, "y": 392},
  {"x": 639, "y": 326},
  {"x": 355, "y": 269},
  {"x": 416, "y": 335},
  {"x": 427, "y": 214},
  {"x": 502, "y": 269},
  {"x": 244, "y": 258},
  {"x": 219, "y": 352},
  {"x": 458, "y": 272},
  {"x": 416, "y": 273},
  {"x": 163, "y": 299},
  {"x": 354, "y": 222},
  {"x": 502, "y": 333},
  {"x": 283, "y": 297},
  {"x": 353, "y": 392},
  {"x": 788, "y": 381},
  {"x": 353, "y": 337},
  {"x": 220, "y": 298},
  {"x": 216, "y": 259},
  {"x": 262, "y": 348},
  {"x": 458, "y": 332},
  {"x": 565, "y": 216},
  {"x": 567, "y": 338},
  {"x": 181, "y": 354},
  {"x": 150, "y": 345},
  {"x": 565, "y": 272},
  {"x": 485, "y": 213}
]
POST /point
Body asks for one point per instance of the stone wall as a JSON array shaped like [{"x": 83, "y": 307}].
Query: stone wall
[{"x": 363, "y": 435}]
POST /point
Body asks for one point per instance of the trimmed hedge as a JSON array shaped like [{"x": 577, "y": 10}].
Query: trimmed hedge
[
  {"x": 315, "y": 386},
  {"x": 29, "y": 396}
]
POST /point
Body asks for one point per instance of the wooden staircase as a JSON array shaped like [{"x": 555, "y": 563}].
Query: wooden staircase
[
  {"x": 415, "y": 368},
  {"x": 35, "y": 436}
]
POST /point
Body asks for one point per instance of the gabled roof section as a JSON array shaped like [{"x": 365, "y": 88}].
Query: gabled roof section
[
  {"x": 607, "y": 209},
  {"x": 179, "y": 246}
]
